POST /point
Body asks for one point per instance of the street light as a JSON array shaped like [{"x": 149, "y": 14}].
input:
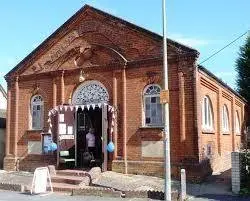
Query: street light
[{"x": 165, "y": 102}]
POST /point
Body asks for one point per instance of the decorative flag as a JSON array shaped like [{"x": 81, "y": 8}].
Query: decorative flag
[
  {"x": 65, "y": 107},
  {"x": 76, "y": 107},
  {"x": 61, "y": 107}
]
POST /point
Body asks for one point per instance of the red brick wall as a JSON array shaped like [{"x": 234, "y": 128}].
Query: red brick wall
[
  {"x": 222, "y": 143},
  {"x": 185, "y": 86}
]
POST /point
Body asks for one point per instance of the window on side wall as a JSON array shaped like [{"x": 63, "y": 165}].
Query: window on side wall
[
  {"x": 237, "y": 123},
  {"x": 37, "y": 112},
  {"x": 225, "y": 119},
  {"x": 153, "y": 113},
  {"x": 207, "y": 114}
]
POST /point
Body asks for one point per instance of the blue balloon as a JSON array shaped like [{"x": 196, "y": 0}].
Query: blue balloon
[
  {"x": 111, "y": 146},
  {"x": 53, "y": 146}
]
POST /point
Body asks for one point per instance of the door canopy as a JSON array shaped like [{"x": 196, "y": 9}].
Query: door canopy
[{"x": 90, "y": 92}]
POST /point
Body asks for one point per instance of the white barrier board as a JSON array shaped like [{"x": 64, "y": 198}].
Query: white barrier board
[{"x": 40, "y": 180}]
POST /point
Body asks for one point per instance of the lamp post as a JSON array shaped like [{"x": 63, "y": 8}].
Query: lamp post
[{"x": 165, "y": 102}]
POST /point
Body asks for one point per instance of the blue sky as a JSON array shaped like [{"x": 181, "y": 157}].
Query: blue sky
[{"x": 204, "y": 25}]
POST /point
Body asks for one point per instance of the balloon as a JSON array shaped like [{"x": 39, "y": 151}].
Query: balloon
[
  {"x": 111, "y": 146},
  {"x": 53, "y": 146}
]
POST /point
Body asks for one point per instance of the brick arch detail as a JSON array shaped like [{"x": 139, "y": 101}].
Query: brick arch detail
[{"x": 94, "y": 92}]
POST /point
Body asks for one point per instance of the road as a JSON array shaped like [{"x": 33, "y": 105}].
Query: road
[
  {"x": 9, "y": 196},
  {"x": 219, "y": 198}
]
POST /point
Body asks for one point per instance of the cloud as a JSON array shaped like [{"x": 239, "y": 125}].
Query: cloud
[{"x": 193, "y": 42}]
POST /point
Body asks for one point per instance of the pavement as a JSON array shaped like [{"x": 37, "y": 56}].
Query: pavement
[{"x": 212, "y": 189}]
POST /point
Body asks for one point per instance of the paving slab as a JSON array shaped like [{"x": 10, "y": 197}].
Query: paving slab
[
  {"x": 23, "y": 178},
  {"x": 131, "y": 182}
]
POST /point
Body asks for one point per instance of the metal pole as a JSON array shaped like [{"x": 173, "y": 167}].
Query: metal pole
[{"x": 166, "y": 109}]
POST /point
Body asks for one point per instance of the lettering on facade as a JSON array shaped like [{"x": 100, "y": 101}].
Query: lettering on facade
[
  {"x": 61, "y": 48},
  {"x": 58, "y": 51}
]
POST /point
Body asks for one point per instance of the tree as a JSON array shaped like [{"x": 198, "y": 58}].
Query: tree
[{"x": 243, "y": 70}]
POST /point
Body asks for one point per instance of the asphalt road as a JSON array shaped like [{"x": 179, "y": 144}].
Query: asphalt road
[
  {"x": 219, "y": 198},
  {"x": 9, "y": 196}
]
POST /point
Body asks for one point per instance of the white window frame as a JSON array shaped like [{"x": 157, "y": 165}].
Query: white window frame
[
  {"x": 225, "y": 119},
  {"x": 207, "y": 114},
  {"x": 237, "y": 122},
  {"x": 35, "y": 103},
  {"x": 146, "y": 96}
]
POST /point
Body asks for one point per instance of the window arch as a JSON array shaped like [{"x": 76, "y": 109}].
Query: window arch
[
  {"x": 225, "y": 119},
  {"x": 152, "y": 106},
  {"x": 37, "y": 112},
  {"x": 237, "y": 123},
  {"x": 207, "y": 114},
  {"x": 90, "y": 92}
]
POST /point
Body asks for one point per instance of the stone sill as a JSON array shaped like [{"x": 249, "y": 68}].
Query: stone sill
[
  {"x": 35, "y": 131},
  {"x": 208, "y": 131},
  {"x": 151, "y": 127}
]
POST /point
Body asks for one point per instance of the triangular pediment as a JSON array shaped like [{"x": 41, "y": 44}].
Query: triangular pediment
[{"x": 94, "y": 38}]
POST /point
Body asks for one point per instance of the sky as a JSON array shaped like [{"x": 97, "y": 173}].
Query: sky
[{"x": 204, "y": 25}]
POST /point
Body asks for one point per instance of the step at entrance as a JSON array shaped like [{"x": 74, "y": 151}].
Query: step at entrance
[{"x": 67, "y": 180}]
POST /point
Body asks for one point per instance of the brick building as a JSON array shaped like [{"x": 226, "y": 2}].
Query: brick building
[{"x": 100, "y": 71}]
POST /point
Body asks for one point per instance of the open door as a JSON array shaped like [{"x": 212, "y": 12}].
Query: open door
[{"x": 104, "y": 136}]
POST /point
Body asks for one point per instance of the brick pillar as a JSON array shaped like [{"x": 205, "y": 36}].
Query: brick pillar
[
  {"x": 7, "y": 136},
  {"x": 115, "y": 106},
  {"x": 16, "y": 107},
  {"x": 182, "y": 107},
  {"x": 235, "y": 172},
  {"x": 124, "y": 118},
  {"x": 219, "y": 95},
  {"x": 54, "y": 93},
  {"x": 62, "y": 88},
  {"x": 233, "y": 124}
]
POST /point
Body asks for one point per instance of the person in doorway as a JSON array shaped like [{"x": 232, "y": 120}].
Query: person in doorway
[{"x": 91, "y": 142}]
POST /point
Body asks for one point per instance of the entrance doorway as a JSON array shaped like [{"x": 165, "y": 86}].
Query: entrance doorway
[{"x": 89, "y": 119}]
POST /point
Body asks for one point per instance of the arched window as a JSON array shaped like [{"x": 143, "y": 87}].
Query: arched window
[
  {"x": 237, "y": 123},
  {"x": 207, "y": 114},
  {"x": 37, "y": 111},
  {"x": 152, "y": 106},
  {"x": 225, "y": 119}
]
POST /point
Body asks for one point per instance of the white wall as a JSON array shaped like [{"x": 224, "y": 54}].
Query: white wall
[{"x": 3, "y": 102}]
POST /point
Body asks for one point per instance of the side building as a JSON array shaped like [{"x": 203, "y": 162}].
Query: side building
[
  {"x": 100, "y": 71},
  {"x": 3, "y": 107}
]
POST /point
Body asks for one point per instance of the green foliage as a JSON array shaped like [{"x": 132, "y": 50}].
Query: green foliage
[
  {"x": 243, "y": 70},
  {"x": 245, "y": 174}
]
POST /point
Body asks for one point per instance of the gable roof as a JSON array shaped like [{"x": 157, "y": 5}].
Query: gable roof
[
  {"x": 3, "y": 91},
  {"x": 151, "y": 34}
]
